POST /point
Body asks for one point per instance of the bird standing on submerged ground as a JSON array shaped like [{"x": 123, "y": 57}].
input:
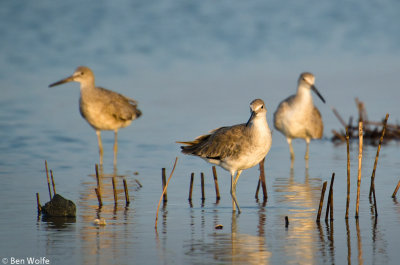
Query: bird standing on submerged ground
[
  {"x": 236, "y": 147},
  {"x": 103, "y": 109},
  {"x": 297, "y": 117}
]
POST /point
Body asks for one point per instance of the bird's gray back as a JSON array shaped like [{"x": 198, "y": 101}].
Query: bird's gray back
[{"x": 220, "y": 143}]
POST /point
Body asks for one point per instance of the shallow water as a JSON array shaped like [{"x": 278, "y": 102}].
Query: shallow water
[{"x": 193, "y": 67}]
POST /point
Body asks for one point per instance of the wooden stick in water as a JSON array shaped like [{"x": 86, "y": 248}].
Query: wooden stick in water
[
  {"x": 164, "y": 179},
  {"x": 338, "y": 135},
  {"x": 360, "y": 148},
  {"x": 48, "y": 179},
  {"x": 362, "y": 115},
  {"x": 396, "y": 189},
  {"x": 203, "y": 197},
  {"x": 39, "y": 206},
  {"x": 321, "y": 201},
  {"x": 339, "y": 117},
  {"x": 52, "y": 181},
  {"x": 115, "y": 190},
  {"x": 329, "y": 205},
  {"x": 286, "y": 221},
  {"x": 98, "y": 197},
  {"x": 331, "y": 197},
  {"x": 126, "y": 193},
  {"x": 350, "y": 126},
  {"x": 375, "y": 205},
  {"x": 191, "y": 186},
  {"x": 377, "y": 154},
  {"x": 165, "y": 188},
  {"x": 216, "y": 183},
  {"x": 138, "y": 182},
  {"x": 348, "y": 173}
]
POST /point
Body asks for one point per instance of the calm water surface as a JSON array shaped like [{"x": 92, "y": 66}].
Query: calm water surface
[{"x": 194, "y": 66}]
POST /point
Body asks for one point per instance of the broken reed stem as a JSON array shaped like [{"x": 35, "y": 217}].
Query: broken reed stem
[
  {"x": 321, "y": 201},
  {"x": 360, "y": 148},
  {"x": 329, "y": 205},
  {"x": 39, "y": 206},
  {"x": 375, "y": 205},
  {"x": 262, "y": 178},
  {"x": 203, "y": 197},
  {"x": 191, "y": 186},
  {"x": 338, "y": 135},
  {"x": 339, "y": 117},
  {"x": 165, "y": 188},
  {"x": 348, "y": 173},
  {"x": 48, "y": 179},
  {"x": 362, "y": 113},
  {"x": 115, "y": 191},
  {"x": 126, "y": 193},
  {"x": 165, "y": 198},
  {"x": 52, "y": 181},
  {"x": 377, "y": 154},
  {"x": 331, "y": 197},
  {"x": 98, "y": 197},
  {"x": 218, "y": 197},
  {"x": 396, "y": 189},
  {"x": 138, "y": 182}
]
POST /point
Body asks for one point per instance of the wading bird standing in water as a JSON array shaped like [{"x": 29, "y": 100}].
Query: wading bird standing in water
[
  {"x": 297, "y": 117},
  {"x": 103, "y": 109},
  {"x": 236, "y": 147}
]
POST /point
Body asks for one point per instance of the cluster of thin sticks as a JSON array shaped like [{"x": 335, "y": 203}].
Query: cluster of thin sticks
[
  {"x": 98, "y": 190},
  {"x": 39, "y": 206},
  {"x": 372, "y": 194},
  {"x": 371, "y": 130}
]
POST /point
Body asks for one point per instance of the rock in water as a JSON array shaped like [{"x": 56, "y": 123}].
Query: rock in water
[{"x": 59, "y": 206}]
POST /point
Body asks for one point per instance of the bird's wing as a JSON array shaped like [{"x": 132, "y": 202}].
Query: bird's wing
[
  {"x": 219, "y": 144},
  {"x": 119, "y": 106},
  {"x": 318, "y": 126}
]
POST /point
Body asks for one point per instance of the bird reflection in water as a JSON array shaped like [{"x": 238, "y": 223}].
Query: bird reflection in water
[
  {"x": 229, "y": 245},
  {"x": 301, "y": 198}
]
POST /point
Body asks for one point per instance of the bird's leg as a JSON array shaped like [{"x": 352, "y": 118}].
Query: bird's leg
[
  {"x": 233, "y": 190},
  {"x": 289, "y": 140},
  {"x": 307, "y": 148},
  {"x": 115, "y": 147},
  {"x": 262, "y": 178},
  {"x": 100, "y": 147},
  {"x": 237, "y": 178}
]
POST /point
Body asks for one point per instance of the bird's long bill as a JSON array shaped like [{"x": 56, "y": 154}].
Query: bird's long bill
[
  {"x": 317, "y": 92},
  {"x": 253, "y": 114},
  {"x": 65, "y": 80}
]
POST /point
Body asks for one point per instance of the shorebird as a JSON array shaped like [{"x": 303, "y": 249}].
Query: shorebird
[
  {"x": 297, "y": 117},
  {"x": 103, "y": 109},
  {"x": 236, "y": 147}
]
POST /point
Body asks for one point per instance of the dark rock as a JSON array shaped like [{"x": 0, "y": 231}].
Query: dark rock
[{"x": 58, "y": 206}]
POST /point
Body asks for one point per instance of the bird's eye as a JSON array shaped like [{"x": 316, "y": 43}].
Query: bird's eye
[
  {"x": 262, "y": 106},
  {"x": 82, "y": 73}
]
